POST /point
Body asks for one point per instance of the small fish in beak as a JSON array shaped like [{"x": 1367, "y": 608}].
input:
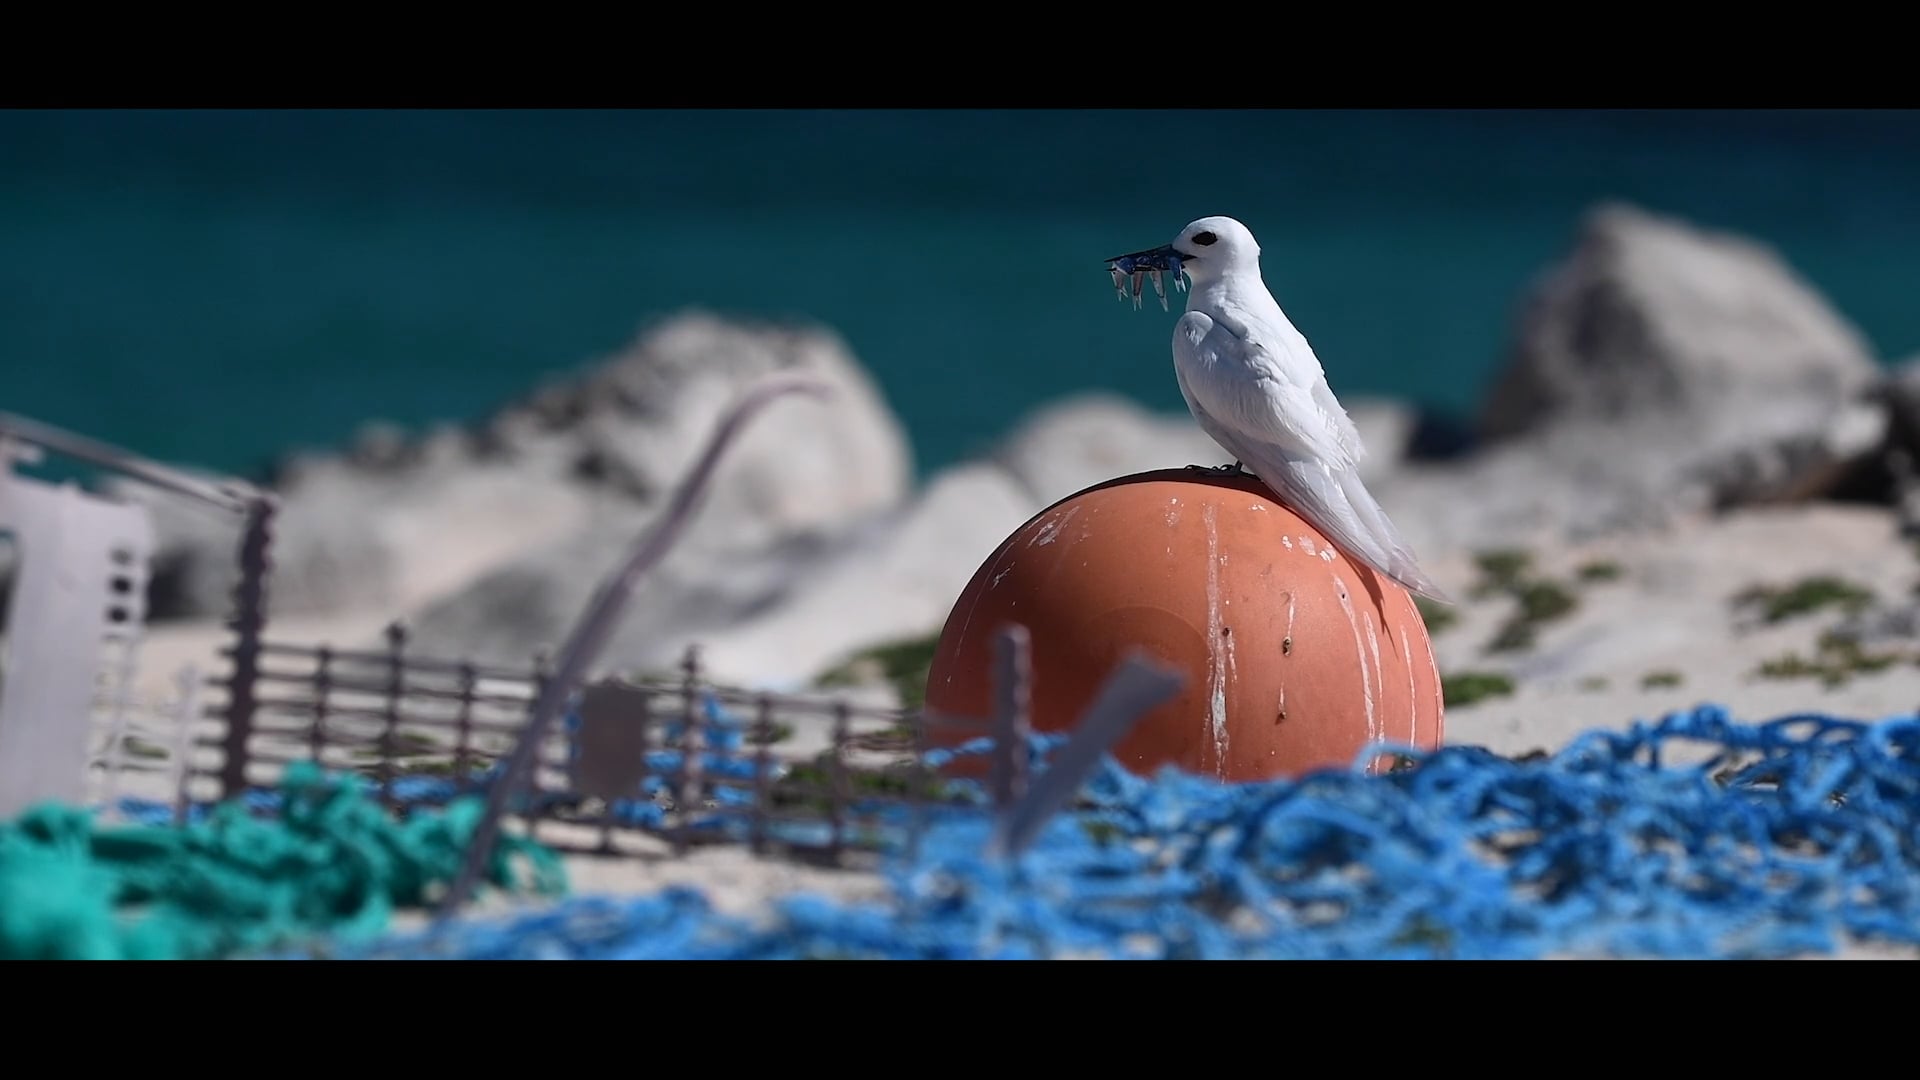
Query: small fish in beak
[{"x": 1136, "y": 267}]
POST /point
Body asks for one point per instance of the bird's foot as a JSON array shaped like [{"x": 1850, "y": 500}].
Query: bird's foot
[{"x": 1235, "y": 469}]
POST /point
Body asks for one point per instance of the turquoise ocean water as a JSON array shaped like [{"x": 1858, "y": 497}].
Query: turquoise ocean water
[{"x": 218, "y": 287}]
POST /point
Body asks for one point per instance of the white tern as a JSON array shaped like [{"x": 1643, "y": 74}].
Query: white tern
[{"x": 1257, "y": 389}]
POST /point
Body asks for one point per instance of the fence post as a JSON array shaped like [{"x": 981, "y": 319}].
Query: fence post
[
  {"x": 920, "y": 790},
  {"x": 535, "y": 805},
  {"x": 322, "y": 693},
  {"x": 463, "y": 729},
  {"x": 687, "y": 792},
  {"x": 113, "y": 761},
  {"x": 123, "y": 695},
  {"x": 1012, "y": 713},
  {"x": 1139, "y": 685},
  {"x": 390, "y": 729},
  {"x": 643, "y": 738},
  {"x": 248, "y": 624},
  {"x": 189, "y": 681},
  {"x": 837, "y": 770},
  {"x": 762, "y": 768}
]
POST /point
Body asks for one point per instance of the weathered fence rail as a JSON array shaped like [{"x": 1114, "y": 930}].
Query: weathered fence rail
[{"x": 678, "y": 759}]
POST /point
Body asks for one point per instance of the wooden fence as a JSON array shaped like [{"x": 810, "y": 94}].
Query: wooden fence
[
  {"x": 679, "y": 760},
  {"x": 676, "y": 758}
]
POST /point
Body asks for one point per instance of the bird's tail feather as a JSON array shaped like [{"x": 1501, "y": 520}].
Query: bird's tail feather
[
  {"x": 1403, "y": 565},
  {"x": 1344, "y": 511}
]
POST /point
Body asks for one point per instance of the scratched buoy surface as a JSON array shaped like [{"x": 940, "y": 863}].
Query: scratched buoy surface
[{"x": 1295, "y": 657}]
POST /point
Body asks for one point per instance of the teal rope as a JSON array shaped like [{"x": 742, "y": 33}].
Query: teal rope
[{"x": 333, "y": 865}]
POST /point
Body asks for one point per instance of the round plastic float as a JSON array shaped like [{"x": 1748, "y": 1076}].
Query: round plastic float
[{"x": 1295, "y": 657}]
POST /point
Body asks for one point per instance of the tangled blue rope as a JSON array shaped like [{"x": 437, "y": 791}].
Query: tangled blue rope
[{"x": 1788, "y": 837}]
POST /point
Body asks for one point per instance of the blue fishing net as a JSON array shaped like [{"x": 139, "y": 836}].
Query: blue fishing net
[{"x": 1691, "y": 837}]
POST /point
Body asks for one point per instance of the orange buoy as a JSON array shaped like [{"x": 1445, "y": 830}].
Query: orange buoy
[{"x": 1295, "y": 657}]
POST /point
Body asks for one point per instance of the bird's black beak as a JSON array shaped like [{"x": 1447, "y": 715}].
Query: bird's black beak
[{"x": 1163, "y": 258}]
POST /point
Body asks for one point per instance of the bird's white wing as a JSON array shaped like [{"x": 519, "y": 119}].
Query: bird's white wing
[
  {"x": 1253, "y": 384},
  {"x": 1260, "y": 393}
]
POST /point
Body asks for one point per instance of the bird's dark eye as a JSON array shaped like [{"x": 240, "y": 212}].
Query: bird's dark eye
[{"x": 1204, "y": 239}]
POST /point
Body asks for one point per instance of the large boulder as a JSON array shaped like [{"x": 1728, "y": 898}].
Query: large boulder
[
  {"x": 400, "y": 522},
  {"x": 1651, "y": 317},
  {"x": 639, "y": 421},
  {"x": 1660, "y": 370},
  {"x": 713, "y": 578}
]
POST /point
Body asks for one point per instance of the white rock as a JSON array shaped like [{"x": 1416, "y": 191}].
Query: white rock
[
  {"x": 898, "y": 580},
  {"x": 404, "y": 526},
  {"x": 1659, "y": 373},
  {"x": 1087, "y": 439},
  {"x": 1650, "y": 315},
  {"x": 712, "y": 579}
]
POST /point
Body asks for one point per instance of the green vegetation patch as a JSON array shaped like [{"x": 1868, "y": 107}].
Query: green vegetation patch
[
  {"x": 1537, "y": 600},
  {"x": 1836, "y": 660},
  {"x": 1599, "y": 570},
  {"x": 1435, "y": 615},
  {"x": 1777, "y": 604},
  {"x": 905, "y": 664},
  {"x": 1467, "y": 687}
]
